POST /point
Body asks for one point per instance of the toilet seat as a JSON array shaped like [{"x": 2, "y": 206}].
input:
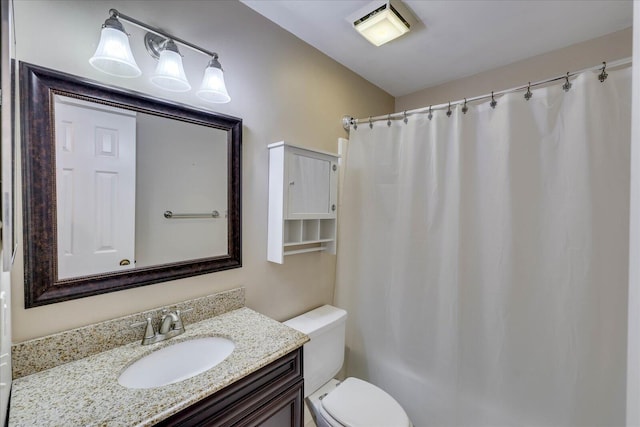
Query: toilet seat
[{"x": 357, "y": 403}]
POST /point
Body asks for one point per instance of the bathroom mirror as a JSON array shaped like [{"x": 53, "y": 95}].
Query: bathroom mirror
[{"x": 121, "y": 189}]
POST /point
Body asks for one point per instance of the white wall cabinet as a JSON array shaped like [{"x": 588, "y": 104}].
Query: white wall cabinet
[{"x": 303, "y": 201}]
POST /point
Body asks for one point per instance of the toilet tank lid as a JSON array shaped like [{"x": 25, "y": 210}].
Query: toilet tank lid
[{"x": 315, "y": 321}]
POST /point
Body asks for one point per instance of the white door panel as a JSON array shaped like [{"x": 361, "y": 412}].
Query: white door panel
[
  {"x": 5, "y": 343},
  {"x": 95, "y": 188}
]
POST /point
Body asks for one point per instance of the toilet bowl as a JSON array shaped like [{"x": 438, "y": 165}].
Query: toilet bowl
[
  {"x": 349, "y": 403},
  {"x": 355, "y": 403}
]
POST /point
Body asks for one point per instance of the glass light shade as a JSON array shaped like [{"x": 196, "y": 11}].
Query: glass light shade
[
  {"x": 113, "y": 55},
  {"x": 169, "y": 74},
  {"x": 213, "y": 88},
  {"x": 382, "y": 27}
]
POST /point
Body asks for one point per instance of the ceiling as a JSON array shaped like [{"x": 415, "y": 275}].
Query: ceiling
[{"x": 453, "y": 39}]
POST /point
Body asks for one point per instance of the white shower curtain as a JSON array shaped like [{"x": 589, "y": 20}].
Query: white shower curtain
[{"x": 483, "y": 258}]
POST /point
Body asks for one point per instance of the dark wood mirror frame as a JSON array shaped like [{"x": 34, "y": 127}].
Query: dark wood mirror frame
[{"x": 38, "y": 86}]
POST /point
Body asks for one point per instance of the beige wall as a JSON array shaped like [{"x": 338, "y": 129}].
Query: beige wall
[
  {"x": 573, "y": 58},
  {"x": 281, "y": 87},
  {"x": 180, "y": 167}
]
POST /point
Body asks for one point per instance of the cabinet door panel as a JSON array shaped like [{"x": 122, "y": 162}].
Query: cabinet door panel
[
  {"x": 284, "y": 409},
  {"x": 309, "y": 185}
]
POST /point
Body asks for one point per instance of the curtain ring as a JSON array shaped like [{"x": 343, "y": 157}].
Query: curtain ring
[
  {"x": 603, "y": 75},
  {"x": 464, "y": 107},
  {"x": 449, "y": 110},
  {"x": 405, "y": 117},
  {"x": 389, "y": 120},
  {"x": 370, "y": 123},
  {"x": 493, "y": 101},
  {"x": 566, "y": 86},
  {"x": 430, "y": 116},
  {"x": 528, "y": 94}
]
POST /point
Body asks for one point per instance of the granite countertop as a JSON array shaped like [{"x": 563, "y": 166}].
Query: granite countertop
[{"x": 87, "y": 393}]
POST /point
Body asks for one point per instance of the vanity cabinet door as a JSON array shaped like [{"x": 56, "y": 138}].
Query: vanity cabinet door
[
  {"x": 272, "y": 396},
  {"x": 284, "y": 409}
]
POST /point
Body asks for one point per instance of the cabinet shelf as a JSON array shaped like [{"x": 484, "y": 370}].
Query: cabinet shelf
[
  {"x": 307, "y": 242},
  {"x": 303, "y": 188},
  {"x": 304, "y": 251}
]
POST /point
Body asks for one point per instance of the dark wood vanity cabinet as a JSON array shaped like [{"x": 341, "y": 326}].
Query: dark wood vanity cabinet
[{"x": 273, "y": 396}]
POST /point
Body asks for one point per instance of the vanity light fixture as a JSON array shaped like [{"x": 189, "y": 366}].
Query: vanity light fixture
[
  {"x": 381, "y": 24},
  {"x": 169, "y": 74},
  {"x": 213, "y": 88},
  {"x": 113, "y": 56}
]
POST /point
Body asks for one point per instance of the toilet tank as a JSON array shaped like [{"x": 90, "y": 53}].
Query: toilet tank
[{"x": 324, "y": 353}]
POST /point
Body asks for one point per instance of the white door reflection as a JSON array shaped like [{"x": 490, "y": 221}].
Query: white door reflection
[{"x": 95, "y": 187}]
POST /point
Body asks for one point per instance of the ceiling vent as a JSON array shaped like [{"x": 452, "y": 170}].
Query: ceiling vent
[{"x": 382, "y": 21}]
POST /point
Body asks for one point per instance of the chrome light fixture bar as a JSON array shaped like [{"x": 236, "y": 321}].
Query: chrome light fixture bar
[{"x": 113, "y": 56}]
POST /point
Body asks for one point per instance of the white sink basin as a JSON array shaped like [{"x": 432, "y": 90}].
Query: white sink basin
[{"x": 176, "y": 362}]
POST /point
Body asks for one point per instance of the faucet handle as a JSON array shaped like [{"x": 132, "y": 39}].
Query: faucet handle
[
  {"x": 178, "y": 325},
  {"x": 149, "y": 330}
]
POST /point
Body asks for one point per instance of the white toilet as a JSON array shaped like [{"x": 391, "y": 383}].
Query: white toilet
[{"x": 352, "y": 402}]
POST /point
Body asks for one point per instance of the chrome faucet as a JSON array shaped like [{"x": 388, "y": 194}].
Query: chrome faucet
[
  {"x": 168, "y": 323},
  {"x": 170, "y": 326}
]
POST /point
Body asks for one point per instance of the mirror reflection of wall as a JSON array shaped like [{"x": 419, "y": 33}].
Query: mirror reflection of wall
[
  {"x": 181, "y": 167},
  {"x": 118, "y": 171}
]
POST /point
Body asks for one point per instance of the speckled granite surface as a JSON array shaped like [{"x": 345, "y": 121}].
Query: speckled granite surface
[
  {"x": 86, "y": 392},
  {"x": 47, "y": 352}
]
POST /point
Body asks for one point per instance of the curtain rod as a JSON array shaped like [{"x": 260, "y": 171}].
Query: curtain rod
[{"x": 347, "y": 121}]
